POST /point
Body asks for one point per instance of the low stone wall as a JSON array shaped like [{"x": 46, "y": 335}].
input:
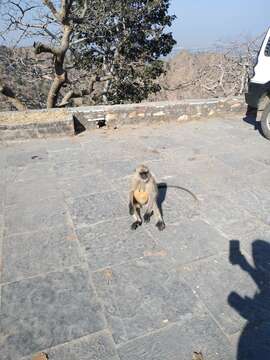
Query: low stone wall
[
  {"x": 15, "y": 125},
  {"x": 117, "y": 115},
  {"x": 44, "y": 123}
]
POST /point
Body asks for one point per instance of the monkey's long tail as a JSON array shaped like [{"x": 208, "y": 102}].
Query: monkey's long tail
[{"x": 180, "y": 188}]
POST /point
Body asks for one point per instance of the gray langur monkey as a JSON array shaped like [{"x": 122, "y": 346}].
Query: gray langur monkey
[
  {"x": 197, "y": 356},
  {"x": 144, "y": 192}
]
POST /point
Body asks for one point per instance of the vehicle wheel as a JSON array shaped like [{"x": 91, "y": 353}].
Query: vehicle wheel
[{"x": 265, "y": 122}]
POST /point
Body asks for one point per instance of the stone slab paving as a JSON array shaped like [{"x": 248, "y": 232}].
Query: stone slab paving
[{"x": 78, "y": 284}]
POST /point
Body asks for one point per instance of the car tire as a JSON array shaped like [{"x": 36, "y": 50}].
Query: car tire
[{"x": 265, "y": 121}]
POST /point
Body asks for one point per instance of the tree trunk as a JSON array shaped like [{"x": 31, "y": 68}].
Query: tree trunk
[
  {"x": 60, "y": 73},
  {"x": 59, "y": 80}
]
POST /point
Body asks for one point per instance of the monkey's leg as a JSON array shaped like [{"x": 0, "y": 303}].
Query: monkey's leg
[
  {"x": 159, "y": 221},
  {"x": 147, "y": 216},
  {"x": 137, "y": 217},
  {"x": 149, "y": 209}
]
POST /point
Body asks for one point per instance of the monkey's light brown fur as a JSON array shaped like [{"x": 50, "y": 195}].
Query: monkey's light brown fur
[
  {"x": 141, "y": 197},
  {"x": 197, "y": 356},
  {"x": 40, "y": 356}
]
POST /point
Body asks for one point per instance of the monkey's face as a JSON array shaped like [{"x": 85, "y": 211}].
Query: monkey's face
[{"x": 144, "y": 175}]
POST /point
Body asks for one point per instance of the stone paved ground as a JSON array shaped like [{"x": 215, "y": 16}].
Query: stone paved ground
[{"x": 77, "y": 283}]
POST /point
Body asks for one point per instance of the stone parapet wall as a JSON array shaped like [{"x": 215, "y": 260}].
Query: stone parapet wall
[
  {"x": 15, "y": 125},
  {"x": 56, "y": 122}
]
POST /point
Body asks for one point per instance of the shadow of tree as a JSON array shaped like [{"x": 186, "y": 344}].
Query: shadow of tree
[{"x": 254, "y": 342}]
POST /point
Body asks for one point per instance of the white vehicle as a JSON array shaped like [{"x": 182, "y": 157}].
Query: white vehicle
[{"x": 258, "y": 95}]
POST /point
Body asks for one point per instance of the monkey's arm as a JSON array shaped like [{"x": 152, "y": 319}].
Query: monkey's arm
[
  {"x": 133, "y": 186},
  {"x": 131, "y": 202}
]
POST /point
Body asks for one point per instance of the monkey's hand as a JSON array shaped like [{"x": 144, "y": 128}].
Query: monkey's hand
[
  {"x": 135, "y": 225},
  {"x": 147, "y": 217},
  {"x": 160, "y": 225},
  {"x": 131, "y": 209}
]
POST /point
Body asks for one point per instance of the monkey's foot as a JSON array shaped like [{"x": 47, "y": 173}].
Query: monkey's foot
[
  {"x": 160, "y": 225},
  {"x": 147, "y": 217},
  {"x": 135, "y": 225}
]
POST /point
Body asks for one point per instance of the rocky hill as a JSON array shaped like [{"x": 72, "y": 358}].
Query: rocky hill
[{"x": 204, "y": 75}]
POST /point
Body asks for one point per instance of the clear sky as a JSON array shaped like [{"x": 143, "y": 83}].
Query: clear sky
[{"x": 201, "y": 23}]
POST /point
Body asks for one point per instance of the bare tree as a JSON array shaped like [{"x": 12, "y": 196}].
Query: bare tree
[
  {"x": 43, "y": 19},
  {"x": 223, "y": 72}
]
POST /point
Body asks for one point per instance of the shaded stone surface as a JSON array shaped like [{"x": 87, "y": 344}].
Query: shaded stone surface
[
  {"x": 256, "y": 201},
  {"x": 105, "y": 244},
  {"x": 143, "y": 296},
  {"x": 45, "y": 311},
  {"x": 2, "y": 195},
  {"x": 39, "y": 252},
  {"x": 1, "y": 250},
  {"x": 75, "y": 168},
  {"x": 26, "y": 156},
  {"x": 30, "y": 191},
  {"x": 87, "y": 210},
  {"x": 191, "y": 240},
  {"x": 213, "y": 280},
  {"x": 179, "y": 341},
  {"x": 84, "y": 185},
  {"x": 31, "y": 172},
  {"x": 34, "y": 216},
  {"x": 98, "y": 346},
  {"x": 77, "y": 283},
  {"x": 71, "y": 154}
]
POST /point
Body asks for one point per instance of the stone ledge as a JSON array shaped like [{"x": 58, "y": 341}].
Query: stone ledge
[
  {"x": 45, "y": 123},
  {"x": 149, "y": 112},
  {"x": 35, "y": 124}
]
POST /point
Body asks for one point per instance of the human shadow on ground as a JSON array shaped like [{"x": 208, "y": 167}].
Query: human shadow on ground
[
  {"x": 251, "y": 117},
  {"x": 254, "y": 341},
  {"x": 162, "y": 191}
]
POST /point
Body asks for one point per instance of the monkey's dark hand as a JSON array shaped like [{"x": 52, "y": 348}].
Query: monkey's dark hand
[
  {"x": 131, "y": 208},
  {"x": 147, "y": 217},
  {"x": 135, "y": 225},
  {"x": 160, "y": 225}
]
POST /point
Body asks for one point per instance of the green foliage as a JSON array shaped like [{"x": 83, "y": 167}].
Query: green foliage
[{"x": 121, "y": 42}]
